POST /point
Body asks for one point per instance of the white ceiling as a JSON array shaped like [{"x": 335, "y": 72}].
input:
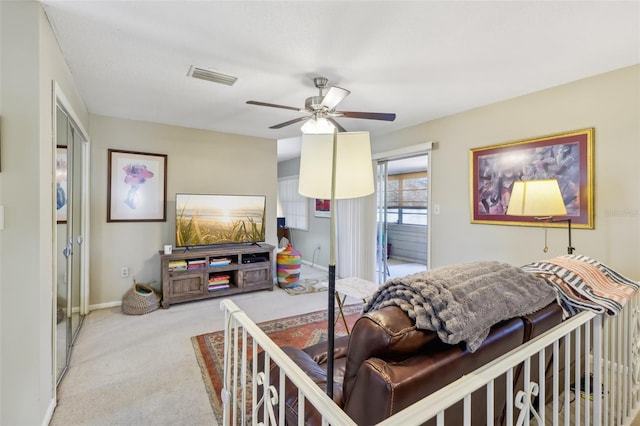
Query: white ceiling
[{"x": 419, "y": 59}]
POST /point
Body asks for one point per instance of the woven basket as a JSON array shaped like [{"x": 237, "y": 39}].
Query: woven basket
[{"x": 140, "y": 299}]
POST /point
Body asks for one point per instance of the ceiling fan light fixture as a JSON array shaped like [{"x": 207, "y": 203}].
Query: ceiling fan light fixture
[
  {"x": 208, "y": 75},
  {"x": 317, "y": 126}
]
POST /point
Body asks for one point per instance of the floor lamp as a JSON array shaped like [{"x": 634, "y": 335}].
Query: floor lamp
[
  {"x": 335, "y": 166},
  {"x": 541, "y": 199}
]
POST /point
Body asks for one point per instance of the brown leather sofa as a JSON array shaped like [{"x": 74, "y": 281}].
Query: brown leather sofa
[{"x": 386, "y": 364}]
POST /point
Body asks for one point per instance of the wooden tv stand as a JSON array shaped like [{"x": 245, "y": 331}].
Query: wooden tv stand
[{"x": 191, "y": 274}]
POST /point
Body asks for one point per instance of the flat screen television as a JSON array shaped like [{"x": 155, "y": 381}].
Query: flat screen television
[{"x": 210, "y": 219}]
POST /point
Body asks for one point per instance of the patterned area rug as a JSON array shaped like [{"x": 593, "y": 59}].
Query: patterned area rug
[
  {"x": 298, "y": 331},
  {"x": 307, "y": 286}
]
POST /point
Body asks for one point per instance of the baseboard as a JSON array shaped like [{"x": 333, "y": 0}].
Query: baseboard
[
  {"x": 105, "y": 305},
  {"x": 49, "y": 414},
  {"x": 315, "y": 265}
]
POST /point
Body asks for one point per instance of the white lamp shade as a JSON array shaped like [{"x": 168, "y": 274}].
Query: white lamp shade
[
  {"x": 354, "y": 170},
  {"x": 536, "y": 198}
]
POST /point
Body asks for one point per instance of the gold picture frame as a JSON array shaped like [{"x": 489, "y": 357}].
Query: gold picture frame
[{"x": 567, "y": 157}]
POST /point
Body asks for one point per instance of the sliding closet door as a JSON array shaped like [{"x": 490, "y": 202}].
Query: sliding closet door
[
  {"x": 77, "y": 237},
  {"x": 63, "y": 253},
  {"x": 70, "y": 255}
]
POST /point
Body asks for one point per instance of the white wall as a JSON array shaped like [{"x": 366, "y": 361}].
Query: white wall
[
  {"x": 198, "y": 161},
  {"x": 31, "y": 60},
  {"x": 609, "y": 102}
]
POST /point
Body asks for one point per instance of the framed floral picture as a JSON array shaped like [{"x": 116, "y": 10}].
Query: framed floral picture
[
  {"x": 136, "y": 187},
  {"x": 61, "y": 184},
  {"x": 566, "y": 157}
]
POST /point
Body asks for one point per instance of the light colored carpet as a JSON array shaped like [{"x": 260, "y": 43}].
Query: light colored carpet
[{"x": 141, "y": 370}]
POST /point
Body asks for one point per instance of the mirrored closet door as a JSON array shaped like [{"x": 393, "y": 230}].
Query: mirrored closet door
[{"x": 70, "y": 185}]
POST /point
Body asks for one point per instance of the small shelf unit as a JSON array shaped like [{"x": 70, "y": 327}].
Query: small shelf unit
[{"x": 202, "y": 273}]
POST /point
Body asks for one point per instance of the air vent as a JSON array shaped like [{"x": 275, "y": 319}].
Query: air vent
[{"x": 209, "y": 75}]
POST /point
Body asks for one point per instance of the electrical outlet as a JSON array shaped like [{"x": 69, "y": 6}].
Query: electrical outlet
[{"x": 124, "y": 272}]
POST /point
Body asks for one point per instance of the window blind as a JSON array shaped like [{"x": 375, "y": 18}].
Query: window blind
[{"x": 291, "y": 205}]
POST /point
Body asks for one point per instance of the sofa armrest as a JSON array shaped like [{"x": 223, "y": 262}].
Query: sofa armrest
[
  {"x": 387, "y": 333},
  {"x": 319, "y": 351}
]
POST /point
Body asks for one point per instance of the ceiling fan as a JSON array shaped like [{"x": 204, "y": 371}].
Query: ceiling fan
[{"x": 323, "y": 107}]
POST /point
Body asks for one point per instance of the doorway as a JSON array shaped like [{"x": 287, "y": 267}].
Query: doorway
[{"x": 402, "y": 234}]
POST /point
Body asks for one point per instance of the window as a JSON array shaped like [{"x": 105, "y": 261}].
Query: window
[
  {"x": 407, "y": 198},
  {"x": 291, "y": 205}
]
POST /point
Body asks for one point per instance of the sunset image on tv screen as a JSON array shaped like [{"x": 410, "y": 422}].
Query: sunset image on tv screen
[{"x": 203, "y": 219}]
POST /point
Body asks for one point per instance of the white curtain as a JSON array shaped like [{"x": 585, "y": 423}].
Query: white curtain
[{"x": 356, "y": 234}]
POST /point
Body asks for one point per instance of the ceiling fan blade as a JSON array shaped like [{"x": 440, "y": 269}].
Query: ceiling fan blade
[
  {"x": 368, "y": 115},
  {"x": 274, "y": 105},
  {"x": 335, "y": 123},
  {"x": 286, "y": 123},
  {"x": 334, "y": 96}
]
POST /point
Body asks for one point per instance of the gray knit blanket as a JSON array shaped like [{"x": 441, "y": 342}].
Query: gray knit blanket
[{"x": 461, "y": 302}]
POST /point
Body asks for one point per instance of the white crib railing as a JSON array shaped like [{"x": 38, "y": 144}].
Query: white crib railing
[
  {"x": 246, "y": 389},
  {"x": 587, "y": 352}
]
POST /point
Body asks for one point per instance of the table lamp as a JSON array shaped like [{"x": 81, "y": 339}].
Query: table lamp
[{"x": 541, "y": 199}]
